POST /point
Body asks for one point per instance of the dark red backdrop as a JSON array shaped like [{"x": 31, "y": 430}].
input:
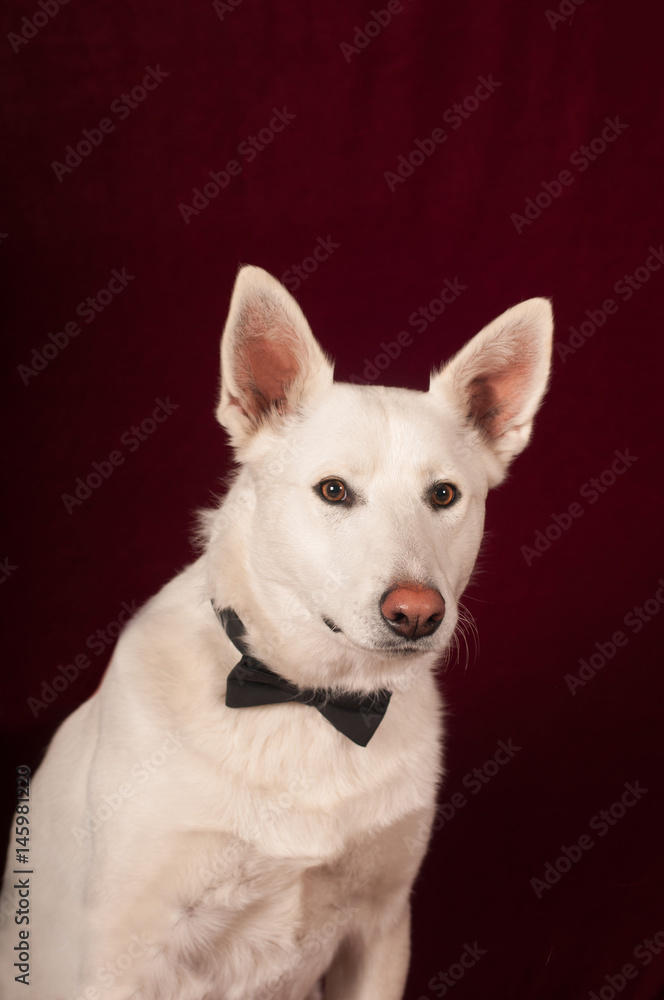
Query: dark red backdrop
[{"x": 534, "y": 88}]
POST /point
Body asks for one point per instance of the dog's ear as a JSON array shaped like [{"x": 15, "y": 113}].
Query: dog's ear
[
  {"x": 270, "y": 360},
  {"x": 497, "y": 380}
]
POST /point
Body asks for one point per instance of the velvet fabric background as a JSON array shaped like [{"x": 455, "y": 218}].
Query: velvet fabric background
[{"x": 489, "y": 150}]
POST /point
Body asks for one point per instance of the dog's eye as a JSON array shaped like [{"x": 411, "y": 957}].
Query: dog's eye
[
  {"x": 333, "y": 490},
  {"x": 444, "y": 494}
]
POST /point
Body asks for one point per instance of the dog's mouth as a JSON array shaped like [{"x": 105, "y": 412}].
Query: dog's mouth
[{"x": 391, "y": 649}]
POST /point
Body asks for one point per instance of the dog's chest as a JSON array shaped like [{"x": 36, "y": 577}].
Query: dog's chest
[{"x": 255, "y": 923}]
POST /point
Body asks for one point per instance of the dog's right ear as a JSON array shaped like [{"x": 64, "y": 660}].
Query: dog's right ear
[
  {"x": 270, "y": 361},
  {"x": 497, "y": 381}
]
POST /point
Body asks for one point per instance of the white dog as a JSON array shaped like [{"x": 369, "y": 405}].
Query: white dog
[{"x": 240, "y": 811}]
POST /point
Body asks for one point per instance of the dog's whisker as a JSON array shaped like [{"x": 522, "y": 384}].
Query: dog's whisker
[{"x": 466, "y": 631}]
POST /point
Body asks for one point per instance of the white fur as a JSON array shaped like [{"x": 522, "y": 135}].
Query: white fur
[{"x": 245, "y": 854}]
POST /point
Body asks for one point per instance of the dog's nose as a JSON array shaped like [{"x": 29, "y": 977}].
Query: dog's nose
[{"x": 413, "y": 610}]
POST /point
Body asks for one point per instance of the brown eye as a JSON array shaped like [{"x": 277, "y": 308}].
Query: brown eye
[
  {"x": 333, "y": 490},
  {"x": 444, "y": 494}
]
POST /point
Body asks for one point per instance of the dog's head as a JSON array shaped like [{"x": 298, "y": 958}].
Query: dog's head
[{"x": 355, "y": 520}]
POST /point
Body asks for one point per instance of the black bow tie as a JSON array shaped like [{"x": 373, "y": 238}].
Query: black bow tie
[{"x": 250, "y": 684}]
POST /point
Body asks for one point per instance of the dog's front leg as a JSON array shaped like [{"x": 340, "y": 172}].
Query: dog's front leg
[{"x": 372, "y": 969}]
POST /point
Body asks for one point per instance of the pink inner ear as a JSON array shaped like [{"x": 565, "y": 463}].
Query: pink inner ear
[
  {"x": 495, "y": 399},
  {"x": 266, "y": 369}
]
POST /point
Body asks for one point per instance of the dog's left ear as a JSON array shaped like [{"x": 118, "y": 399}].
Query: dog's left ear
[
  {"x": 270, "y": 361},
  {"x": 497, "y": 380}
]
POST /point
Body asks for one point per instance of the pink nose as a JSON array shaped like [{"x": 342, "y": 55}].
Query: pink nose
[{"x": 413, "y": 610}]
